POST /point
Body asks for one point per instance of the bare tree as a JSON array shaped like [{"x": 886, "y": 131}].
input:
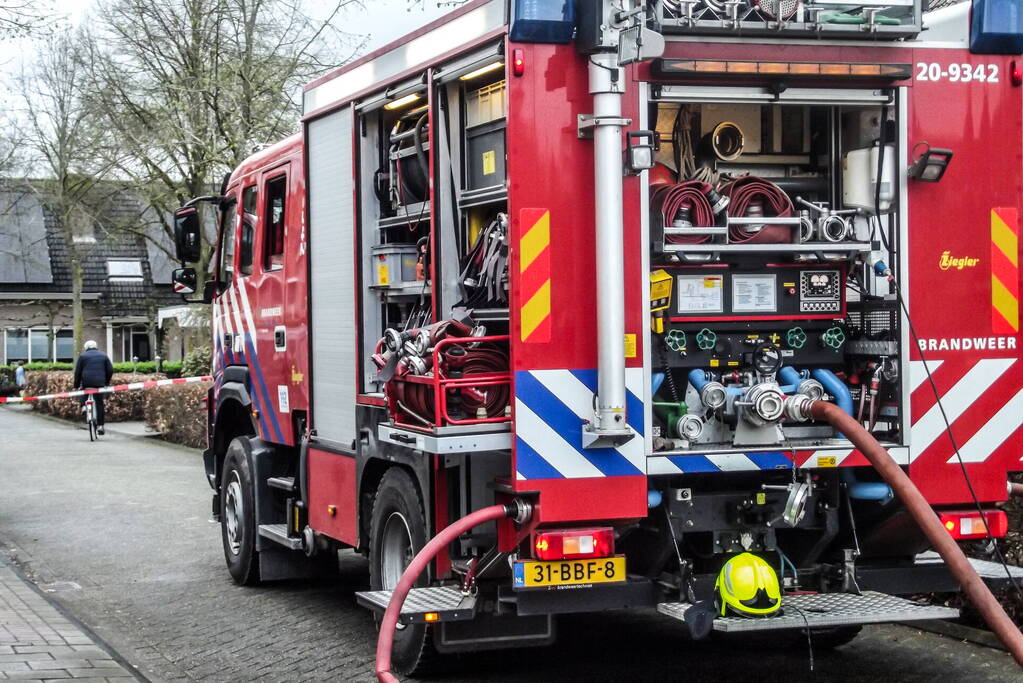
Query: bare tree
[
  {"x": 187, "y": 88},
  {"x": 23, "y": 17},
  {"x": 63, "y": 144}
]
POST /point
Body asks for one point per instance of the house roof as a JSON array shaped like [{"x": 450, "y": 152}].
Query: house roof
[{"x": 33, "y": 236}]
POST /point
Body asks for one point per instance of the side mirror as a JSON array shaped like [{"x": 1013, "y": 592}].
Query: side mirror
[
  {"x": 184, "y": 280},
  {"x": 188, "y": 235}
]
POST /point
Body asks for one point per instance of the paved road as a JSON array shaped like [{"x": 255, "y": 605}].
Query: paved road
[{"x": 119, "y": 532}]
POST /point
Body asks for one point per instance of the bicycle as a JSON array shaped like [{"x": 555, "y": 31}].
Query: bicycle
[{"x": 90, "y": 418}]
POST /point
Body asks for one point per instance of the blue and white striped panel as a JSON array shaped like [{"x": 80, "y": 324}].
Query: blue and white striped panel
[
  {"x": 551, "y": 407},
  {"x": 723, "y": 462}
]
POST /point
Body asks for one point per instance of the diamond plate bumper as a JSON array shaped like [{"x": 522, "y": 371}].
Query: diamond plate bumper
[
  {"x": 446, "y": 601},
  {"x": 825, "y": 610}
]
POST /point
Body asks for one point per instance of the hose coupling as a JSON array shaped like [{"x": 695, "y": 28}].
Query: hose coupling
[
  {"x": 519, "y": 511},
  {"x": 713, "y": 395},
  {"x": 797, "y": 407}
]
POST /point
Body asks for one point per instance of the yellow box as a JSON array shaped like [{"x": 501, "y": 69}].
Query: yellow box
[{"x": 660, "y": 290}]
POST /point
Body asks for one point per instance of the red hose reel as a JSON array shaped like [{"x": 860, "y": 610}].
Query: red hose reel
[{"x": 445, "y": 374}]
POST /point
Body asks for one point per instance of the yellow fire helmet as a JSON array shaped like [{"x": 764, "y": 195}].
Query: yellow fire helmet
[{"x": 747, "y": 586}]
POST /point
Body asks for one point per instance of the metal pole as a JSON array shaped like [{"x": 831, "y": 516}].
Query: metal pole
[{"x": 607, "y": 85}]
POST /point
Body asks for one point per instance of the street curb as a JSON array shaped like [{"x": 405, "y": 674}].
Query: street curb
[
  {"x": 11, "y": 563},
  {"x": 155, "y": 437}
]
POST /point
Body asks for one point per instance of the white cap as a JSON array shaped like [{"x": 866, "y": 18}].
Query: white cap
[{"x": 91, "y": 344}]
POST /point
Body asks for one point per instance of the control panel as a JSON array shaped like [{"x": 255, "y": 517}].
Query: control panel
[
  {"x": 820, "y": 291},
  {"x": 771, "y": 293}
]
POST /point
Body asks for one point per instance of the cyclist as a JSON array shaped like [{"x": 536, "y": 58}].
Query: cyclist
[{"x": 93, "y": 370}]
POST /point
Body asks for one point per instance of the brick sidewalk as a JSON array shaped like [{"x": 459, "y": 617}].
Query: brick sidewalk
[{"x": 37, "y": 643}]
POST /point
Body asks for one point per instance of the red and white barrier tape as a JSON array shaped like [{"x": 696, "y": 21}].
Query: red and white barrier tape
[{"x": 133, "y": 386}]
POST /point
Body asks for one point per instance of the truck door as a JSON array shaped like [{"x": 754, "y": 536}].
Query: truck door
[{"x": 258, "y": 303}]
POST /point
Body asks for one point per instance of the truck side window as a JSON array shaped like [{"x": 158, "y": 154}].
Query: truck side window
[
  {"x": 228, "y": 224},
  {"x": 273, "y": 223},
  {"x": 249, "y": 199}
]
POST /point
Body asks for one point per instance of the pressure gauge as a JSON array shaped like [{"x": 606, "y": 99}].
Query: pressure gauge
[{"x": 767, "y": 359}]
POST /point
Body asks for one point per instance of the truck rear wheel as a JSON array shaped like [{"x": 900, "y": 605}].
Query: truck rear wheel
[
  {"x": 238, "y": 515},
  {"x": 397, "y": 533}
]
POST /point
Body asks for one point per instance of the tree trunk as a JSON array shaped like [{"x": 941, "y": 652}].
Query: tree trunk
[{"x": 78, "y": 315}]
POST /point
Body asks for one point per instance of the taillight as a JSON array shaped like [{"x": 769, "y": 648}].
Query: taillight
[
  {"x": 967, "y": 525},
  {"x": 570, "y": 544},
  {"x": 518, "y": 61},
  {"x": 1016, "y": 73}
]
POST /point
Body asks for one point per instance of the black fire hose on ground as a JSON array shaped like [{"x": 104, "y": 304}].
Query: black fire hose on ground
[
  {"x": 974, "y": 587},
  {"x": 518, "y": 510}
]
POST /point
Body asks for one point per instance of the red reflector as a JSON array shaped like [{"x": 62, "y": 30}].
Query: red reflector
[
  {"x": 1016, "y": 73},
  {"x": 518, "y": 61},
  {"x": 968, "y": 524},
  {"x": 570, "y": 544}
]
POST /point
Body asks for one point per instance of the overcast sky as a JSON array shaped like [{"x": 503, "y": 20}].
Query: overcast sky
[{"x": 382, "y": 20}]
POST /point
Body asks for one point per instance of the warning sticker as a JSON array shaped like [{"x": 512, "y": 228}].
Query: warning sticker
[
  {"x": 383, "y": 276},
  {"x": 754, "y": 294},
  {"x": 630, "y": 346},
  {"x": 700, "y": 294},
  {"x": 489, "y": 162},
  {"x": 283, "y": 404}
]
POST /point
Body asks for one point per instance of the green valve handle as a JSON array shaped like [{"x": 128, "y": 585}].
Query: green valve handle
[
  {"x": 705, "y": 339},
  {"x": 833, "y": 337},
  {"x": 796, "y": 338},
  {"x": 676, "y": 340}
]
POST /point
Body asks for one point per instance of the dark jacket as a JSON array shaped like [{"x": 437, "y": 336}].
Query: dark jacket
[{"x": 93, "y": 369}]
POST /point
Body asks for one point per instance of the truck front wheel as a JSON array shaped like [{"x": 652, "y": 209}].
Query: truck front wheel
[
  {"x": 397, "y": 533},
  {"x": 238, "y": 515}
]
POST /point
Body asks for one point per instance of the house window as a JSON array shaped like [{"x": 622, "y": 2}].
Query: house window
[
  {"x": 124, "y": 271},
  {"x": 39, "y": 344},
  {"x": 273, "y": 231},
  {"x": 16, "y": 346},
  {"x": 64, "y": 346}
]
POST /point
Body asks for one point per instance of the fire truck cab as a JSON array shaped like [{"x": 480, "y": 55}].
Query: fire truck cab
[{"x": 594, "y": 259}]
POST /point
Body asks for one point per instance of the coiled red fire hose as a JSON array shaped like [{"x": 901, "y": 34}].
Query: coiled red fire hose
[
  {"x": 385, "y": 641},
  {"x": 748, "y": 190},
  {"x": 974, "y": 587},
  {"x": 667, "y": 199}
]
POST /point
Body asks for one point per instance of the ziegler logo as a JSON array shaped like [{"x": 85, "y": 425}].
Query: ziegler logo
[{"x": 948, "y": 261}]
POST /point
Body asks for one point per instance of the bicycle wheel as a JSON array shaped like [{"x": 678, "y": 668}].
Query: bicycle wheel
[{"x": 92, "y": 430}]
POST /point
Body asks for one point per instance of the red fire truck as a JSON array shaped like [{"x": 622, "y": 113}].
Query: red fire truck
[{"x": 591, "y": 260}]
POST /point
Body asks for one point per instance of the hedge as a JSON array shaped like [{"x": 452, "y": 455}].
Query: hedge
[
  {"x": 178, "y": 412},
  {"x": 119, "y": 407},
  {"x": 169, "y": 368}
]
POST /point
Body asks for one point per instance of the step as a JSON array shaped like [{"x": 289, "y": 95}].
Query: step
[
  {"x": 282, "y": 483},
  {"x": 278, "y": 533},
  {"x": 993, "y": 573},
  {"x": 825, "y": 610},
  {"x": 447, "y": 603}
]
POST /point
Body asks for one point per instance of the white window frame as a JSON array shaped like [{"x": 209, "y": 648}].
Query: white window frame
[{"x": 124, "y": 277}]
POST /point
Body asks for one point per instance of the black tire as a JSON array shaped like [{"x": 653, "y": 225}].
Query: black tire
[
  {"x": 397, "y": 500},
  {"x": 238, "y": 515},
  {"x": 92, "y": 431},
  {"x": 829, "y": 638}
]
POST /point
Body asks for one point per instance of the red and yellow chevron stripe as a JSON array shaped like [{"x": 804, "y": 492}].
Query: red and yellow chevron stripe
[
  {"x": 1005, "y": 270},
  {"x": 535, "y": 275}
]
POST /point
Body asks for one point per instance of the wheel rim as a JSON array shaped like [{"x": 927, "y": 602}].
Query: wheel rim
[
  {"x": 234, "y": 513},
  {"x": 395, "y": 550}
]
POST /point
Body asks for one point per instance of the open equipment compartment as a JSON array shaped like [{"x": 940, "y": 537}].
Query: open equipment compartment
[
  {"x": 765, "y": 283},
  {"x": 433, "y": 225}
]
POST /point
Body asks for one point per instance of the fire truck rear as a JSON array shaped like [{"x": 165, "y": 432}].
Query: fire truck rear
[{"x": 592, "y": 262}]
